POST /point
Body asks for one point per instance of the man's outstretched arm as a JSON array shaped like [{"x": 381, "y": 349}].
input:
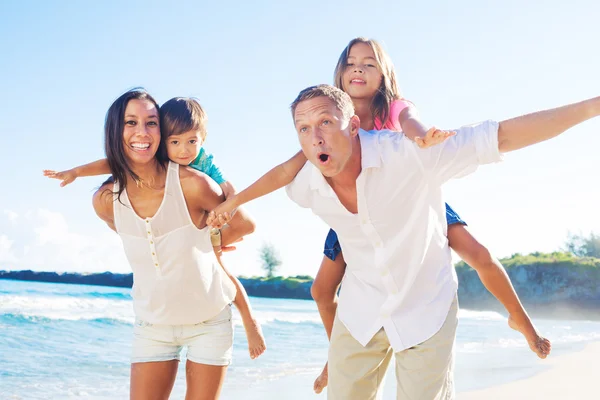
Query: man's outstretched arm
[{"x": 523, "y": 131}]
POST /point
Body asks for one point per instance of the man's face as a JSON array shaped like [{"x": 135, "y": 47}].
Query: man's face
[{"x": 325, "y": 136}]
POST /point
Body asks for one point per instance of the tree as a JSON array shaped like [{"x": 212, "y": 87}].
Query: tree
[
  {"x": 269, "y": 258},
  {"x": 583, "y": 246}
]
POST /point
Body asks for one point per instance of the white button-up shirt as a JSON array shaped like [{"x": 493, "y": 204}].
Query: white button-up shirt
[{"x": 399, "y": 274}]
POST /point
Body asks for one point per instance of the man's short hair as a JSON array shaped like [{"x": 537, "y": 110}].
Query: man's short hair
[{"x": 341, "y": 99}]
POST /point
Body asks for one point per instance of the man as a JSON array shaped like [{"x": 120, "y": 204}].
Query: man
[{"x": 382, "y": 195}]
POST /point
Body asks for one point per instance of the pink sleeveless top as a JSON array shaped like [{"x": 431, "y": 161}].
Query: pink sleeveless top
[{"x": 395, "y": 109}]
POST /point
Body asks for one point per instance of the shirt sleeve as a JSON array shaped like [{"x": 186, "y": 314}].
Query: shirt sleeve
[
  {"x": 204, "y": 163},
  {"x": 460, "y": 155},
  {"x": 299, "y": 190}
]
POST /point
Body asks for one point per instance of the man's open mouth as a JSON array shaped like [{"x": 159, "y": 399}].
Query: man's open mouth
[{"x": 323, "y": 157}]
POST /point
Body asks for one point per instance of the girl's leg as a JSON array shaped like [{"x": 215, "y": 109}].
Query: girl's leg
[
  {"x": 324, "y": 291},
  {"x": 152, "y": 380},
  {"x": 204, "y": 382},
  {"x": 254, "y": 335},
  {"x": 496, "y": 281}
]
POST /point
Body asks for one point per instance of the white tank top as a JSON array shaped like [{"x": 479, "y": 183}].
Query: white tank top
[{"x": 177, "y": 279}]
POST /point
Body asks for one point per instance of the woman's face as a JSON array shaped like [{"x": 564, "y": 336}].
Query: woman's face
[{"x": 141, "y": 131}]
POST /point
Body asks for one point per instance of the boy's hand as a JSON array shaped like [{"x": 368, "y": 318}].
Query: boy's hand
[
  {"x": 433, "y": 137},
  {"x": 66, "y": 177},
  {"x": 222, "y": 214}
]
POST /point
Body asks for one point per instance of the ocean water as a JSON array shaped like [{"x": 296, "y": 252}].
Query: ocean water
[{"x": 62, "y": 341}]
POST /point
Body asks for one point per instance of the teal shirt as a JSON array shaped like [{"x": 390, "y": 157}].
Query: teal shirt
[{"x": 204, "y": 163}]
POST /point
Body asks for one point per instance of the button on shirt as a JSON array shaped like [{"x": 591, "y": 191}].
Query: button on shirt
[
  {"x": 177, "y": 279},
  {"x": 399, "y": 274}
]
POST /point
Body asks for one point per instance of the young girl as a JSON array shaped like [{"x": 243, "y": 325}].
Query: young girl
[
  {"x": 182, "y": 122},
  {"x": 366, "y": 73}
]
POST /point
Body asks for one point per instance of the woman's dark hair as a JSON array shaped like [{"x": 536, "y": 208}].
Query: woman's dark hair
[{"x": 113, "y": 137}]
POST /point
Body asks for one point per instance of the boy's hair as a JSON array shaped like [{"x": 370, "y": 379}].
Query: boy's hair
[
  {"x": 341, "y": 99},
  {"x": 180, "y": 115},
  {"x": 388, "y": 90}
]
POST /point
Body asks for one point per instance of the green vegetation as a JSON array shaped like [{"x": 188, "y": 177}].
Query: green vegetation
[
  {"x": 555, "y": 259},
  {"x": 270, "y": 259},
  {"x": 582, "y": 246}
]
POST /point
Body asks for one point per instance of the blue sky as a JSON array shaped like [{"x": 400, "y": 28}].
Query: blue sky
[{"x": 64, "y": 62}]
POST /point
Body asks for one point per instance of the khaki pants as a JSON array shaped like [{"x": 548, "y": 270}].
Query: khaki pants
[{"x": 423, "y": 372}]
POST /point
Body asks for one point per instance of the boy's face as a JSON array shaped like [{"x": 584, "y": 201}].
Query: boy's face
[{"x": 184, "y": 148}]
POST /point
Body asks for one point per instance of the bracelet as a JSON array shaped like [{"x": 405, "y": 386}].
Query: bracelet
[{"x": 215, "y": 237}]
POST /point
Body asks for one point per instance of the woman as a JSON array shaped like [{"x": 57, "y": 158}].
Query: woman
[{"x": 181, "y": 295}]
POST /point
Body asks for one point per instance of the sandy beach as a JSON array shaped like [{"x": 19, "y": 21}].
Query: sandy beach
[{"x": 572, "y": 376}]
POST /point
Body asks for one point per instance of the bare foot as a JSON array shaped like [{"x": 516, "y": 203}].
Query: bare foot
[
  {"x": 538, "y": 344},
  {"x": 321, "y": 381},
  {"x": 256, "y": 340}
]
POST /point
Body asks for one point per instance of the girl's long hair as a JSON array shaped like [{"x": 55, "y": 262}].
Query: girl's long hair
[{"x": 388, "y": 90}]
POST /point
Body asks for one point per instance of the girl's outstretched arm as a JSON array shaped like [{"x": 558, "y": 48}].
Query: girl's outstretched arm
[
  {"x": 278, "y": 177},
  {"x": 415, "y": 130},
  {"x": 99, "y": 167}
]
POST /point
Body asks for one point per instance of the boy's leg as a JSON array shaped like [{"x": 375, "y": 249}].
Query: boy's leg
[
  {"x": 256, "y": 340},
  {"x": 356, "y": 372},
  {"x": 254, "y": 335},
  {"x": 426, "y": 371},
  {"x": 496, "y": 281}
]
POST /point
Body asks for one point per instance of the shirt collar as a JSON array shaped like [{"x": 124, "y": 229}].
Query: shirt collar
[{"x": 370, "y": 158}]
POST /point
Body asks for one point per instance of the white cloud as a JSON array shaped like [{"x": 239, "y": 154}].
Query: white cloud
[
  {"x": 11, "y": 215},
  {"x": 6, "y": 255},
  {"x": 43, "y": 240}
]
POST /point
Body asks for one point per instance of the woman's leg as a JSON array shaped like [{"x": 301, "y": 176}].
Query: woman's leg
[
  {"x": 496, "y": 281},
  {"x": 324, "y": 291},
  {"x": 209, "y": 352},
  {"x": 204, "y": 382},
  {"x": 152, "y": 380}
]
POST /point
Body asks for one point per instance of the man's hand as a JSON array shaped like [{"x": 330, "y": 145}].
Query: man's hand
[
  {"x": 66, "y": 177},
  {"x": 433, "y": 137}
]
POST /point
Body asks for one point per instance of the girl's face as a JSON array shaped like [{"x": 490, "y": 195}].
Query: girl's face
[
  {"x": 361, "y": 78},
  {"x": 184, "y": 148},
  {"x": 141, "y": 131}
]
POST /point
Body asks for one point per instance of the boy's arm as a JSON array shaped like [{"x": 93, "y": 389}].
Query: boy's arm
[
  {"x": 416, "y": 131},
  {"x": 228, "y": 189},
  {"x": 99, "y": 167},
  {"x": 278, "y": 177},
  {"x": 202, "y": 193}
]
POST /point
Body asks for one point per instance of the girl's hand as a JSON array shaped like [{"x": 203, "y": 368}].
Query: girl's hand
[
  {"x": 66, "y": 177},
  {"x": 433, "y": 137},
  {"x": 222, "y": 214}
]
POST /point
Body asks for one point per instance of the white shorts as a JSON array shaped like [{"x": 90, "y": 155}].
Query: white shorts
[{"x": 209, "y": 342}]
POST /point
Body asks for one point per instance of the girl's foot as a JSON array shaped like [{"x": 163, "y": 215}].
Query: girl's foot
[
  {"x": 321, "y": 381},
  {"x": 538, "y": 344},
  {"x": 256, "y": 340}
]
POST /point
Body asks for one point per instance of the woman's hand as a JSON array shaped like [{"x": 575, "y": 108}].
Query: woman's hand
[{"x": 66, "y": 177}]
